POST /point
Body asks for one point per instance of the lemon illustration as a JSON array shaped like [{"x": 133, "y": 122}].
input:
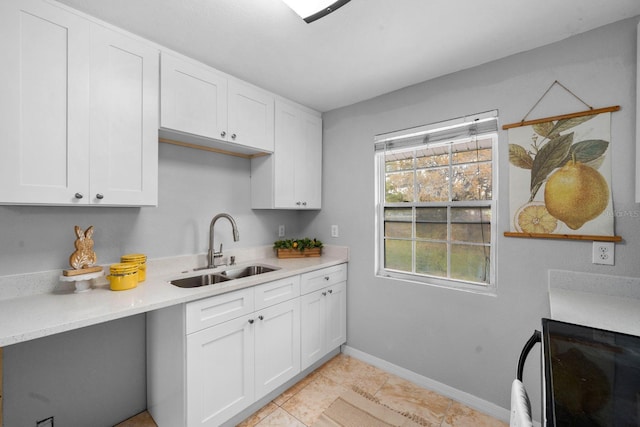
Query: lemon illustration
[
  {"x": 575, "y": 194},
  {"x": 534, "y": 218}
]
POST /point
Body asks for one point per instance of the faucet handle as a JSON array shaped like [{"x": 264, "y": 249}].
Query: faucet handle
[{"x": 218, "y": 254}]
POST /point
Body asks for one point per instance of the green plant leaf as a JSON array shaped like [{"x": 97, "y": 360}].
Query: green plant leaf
[
  {"x": 519, "y": 157},
  {"x": 566, "y": 124},
  {"x": 543, "y": 129},
  {"x": 587, "y": 151},
  {"x": 550, "y": 157}
]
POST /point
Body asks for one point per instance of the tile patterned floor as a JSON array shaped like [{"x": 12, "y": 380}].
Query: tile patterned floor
[{"x": 303, "y": 403}]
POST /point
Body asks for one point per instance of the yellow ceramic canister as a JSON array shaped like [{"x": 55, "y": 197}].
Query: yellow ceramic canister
[
  {"x": 123, "y": 276},
  {"x": 141, "y": 261}
]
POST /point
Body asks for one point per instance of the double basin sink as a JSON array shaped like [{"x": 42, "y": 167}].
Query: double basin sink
[{"x": 222, "y": 276}]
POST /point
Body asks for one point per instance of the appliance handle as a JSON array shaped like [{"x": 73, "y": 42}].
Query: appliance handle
[{"x": 535, "y": 338}]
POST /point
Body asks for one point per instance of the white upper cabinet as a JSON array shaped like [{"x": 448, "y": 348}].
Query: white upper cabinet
[
  {"x": 291, "y": 178},
  {"x": 204, "y": 107},
  {"x": 193, "y": 99},
  {"x": 79, "y": 122},
  {"x": 124, "y": 120}
]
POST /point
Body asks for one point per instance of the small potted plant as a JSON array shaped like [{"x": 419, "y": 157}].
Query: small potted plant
[{"x": 298, "y": 248}]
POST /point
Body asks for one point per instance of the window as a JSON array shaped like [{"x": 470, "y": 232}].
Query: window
[{"x": 435, "y": 203}]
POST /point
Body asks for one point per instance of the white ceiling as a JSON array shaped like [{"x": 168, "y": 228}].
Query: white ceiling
[{"x": 362, "y": 50}]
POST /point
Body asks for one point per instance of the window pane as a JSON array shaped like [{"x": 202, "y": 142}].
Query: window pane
[
  {"x": 431, "y": 258},
  {"x": 470, "y": 263},
  {"x": 430, "y": 157},
  {"x": 471, "y": 182},
  {"x": 433, "y": 185},
  {"x": 399, "y": 187},
  {"x": 471, "y": 224},
  {"x": 397, "y": 254},
  {"x": 471, "y": 156},
  {"x": 431, "y": 223},
  {"x": 398, "y": 222},
  {"x": 398, "y": 164}
]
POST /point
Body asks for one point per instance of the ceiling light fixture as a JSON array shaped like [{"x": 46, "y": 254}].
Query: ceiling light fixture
[{"x": 310, "y": 10}]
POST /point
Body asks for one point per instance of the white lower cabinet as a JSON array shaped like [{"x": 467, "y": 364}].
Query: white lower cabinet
[
  {"x": 324, "y": 322},
  {"x": 220, "y": 372},
  {"x": 209, "y": 359}
]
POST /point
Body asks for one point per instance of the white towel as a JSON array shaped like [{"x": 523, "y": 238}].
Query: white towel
[{"x": 520, "y": 406}]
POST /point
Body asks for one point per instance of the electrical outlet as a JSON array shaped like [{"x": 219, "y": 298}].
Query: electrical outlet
[
  {"x": 281, "y": 231},
  {"x": 335, "y": 232},
  {"x": 47, "y": 422},
  {"x": 603, "y": 253}
]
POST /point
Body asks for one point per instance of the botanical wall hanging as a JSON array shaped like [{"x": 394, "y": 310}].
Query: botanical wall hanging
[{"x": 560, "y": 176}]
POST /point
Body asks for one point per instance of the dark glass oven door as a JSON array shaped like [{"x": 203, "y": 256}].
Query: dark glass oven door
[{"x": 591, "y": 376}]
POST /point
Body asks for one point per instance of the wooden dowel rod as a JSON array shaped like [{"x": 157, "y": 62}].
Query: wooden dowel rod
[
  {"x": 564, "y": 236},
  {"x": 563, "y": 116}
]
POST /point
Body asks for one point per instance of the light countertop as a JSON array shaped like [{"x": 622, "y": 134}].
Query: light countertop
[
  {"x": 596, "y": 300},
  {"x": 53, "y": 309}
]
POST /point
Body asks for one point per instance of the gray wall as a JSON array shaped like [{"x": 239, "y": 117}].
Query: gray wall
[
  {"x": 468, "y": 341},
  {"x": 95, "y": 376}
]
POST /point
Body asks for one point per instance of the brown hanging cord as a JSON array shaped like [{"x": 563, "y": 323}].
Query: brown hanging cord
[
  {"x": 545, "y": 94},
  {"x": 590, "y": 111}
]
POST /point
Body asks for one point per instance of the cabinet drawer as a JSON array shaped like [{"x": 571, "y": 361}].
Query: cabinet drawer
[
  {"x": 212, "y": 311},
  {"x": 276, "y": 292},
  {"x": 319, "y": 279}
]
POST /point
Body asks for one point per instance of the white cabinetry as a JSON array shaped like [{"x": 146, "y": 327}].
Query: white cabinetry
[
  {"x": 324, "y": 311},
  {"x": 291, "y": 178},
  {"x": 227, "y": 352},
  {"x": 202, "y": 106},
  {"x": 78, "y": 110}
]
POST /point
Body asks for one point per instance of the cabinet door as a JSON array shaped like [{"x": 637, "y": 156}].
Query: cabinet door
[
  {"x": 277, "y": 345},
  {"x": 298, "y": 158},
  {"x": 336, "y": 316},
  {"x": 220, "y": 372},
  {"x": 193, "y": 98},
  {"x": 251, "y": 116},
  {"x": 124, "y": 120},
  {"x": 313, "y": 328},
  {"x": 44, "y": 137},
  {"x": 309, "y": 163}
]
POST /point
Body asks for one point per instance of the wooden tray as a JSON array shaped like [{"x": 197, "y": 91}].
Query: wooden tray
[{"x": 295, "y": 253}]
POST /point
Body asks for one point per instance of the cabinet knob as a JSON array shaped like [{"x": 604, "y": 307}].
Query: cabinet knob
[
  {"x": 79, "y": 195},
  {"x": 330, "y": 291},
  {"x": 223, "y": 134},
  {"x": 298, "y": 203},
  {"x": 304, "y": 203},
  {"x": 233, "y": 136},
  {"x": 99, "y": 196},
  {"x": 251, "y": 321},
  {"x": 324, "y": 294},
  {"x": 261, "y": 317}
]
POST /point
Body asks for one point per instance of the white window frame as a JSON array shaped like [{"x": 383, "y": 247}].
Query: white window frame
[{"x": 380, "y": 176}]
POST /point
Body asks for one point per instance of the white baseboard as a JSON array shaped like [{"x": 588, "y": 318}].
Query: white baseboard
[{"x": 450, "y": 392}]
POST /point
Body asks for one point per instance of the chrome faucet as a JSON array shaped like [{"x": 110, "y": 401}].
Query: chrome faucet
[{"x": 211, "y": 255}]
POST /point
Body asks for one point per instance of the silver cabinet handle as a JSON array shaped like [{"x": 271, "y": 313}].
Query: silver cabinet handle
[
  {"x": 99, "y": 196},
  {"x": 233, "y": 136},
  {"x": 223, "y": 134},
  {"x": 79, "y": 195}
]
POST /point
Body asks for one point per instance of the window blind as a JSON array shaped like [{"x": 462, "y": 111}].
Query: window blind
[{"x": 463, "y": 127}]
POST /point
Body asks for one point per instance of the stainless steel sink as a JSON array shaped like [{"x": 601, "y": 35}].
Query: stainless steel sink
[
  {"x": 252, "y": 270},
  {"x": 197, "y": 281},
  {"x": 223, "y": 276}
]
